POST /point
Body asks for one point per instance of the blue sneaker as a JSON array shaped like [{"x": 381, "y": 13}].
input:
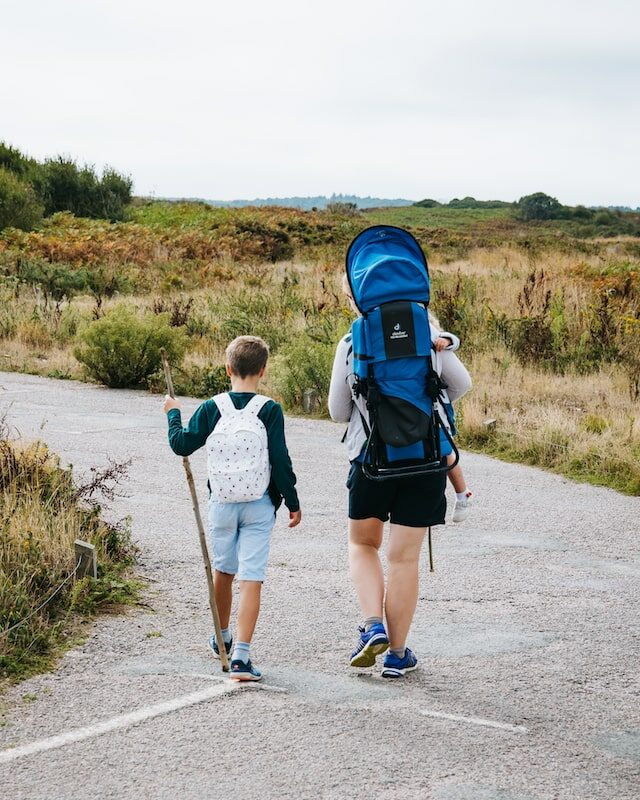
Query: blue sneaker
[
  {"x": 213, "y": 645},
  {"x": 372, "y": 643},
  {"x": 395, "y": 667},
  {"x": 244, "y": 671}
]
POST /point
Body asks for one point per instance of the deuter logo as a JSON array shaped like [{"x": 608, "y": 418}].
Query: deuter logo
[{"x": 398, "y": 333}]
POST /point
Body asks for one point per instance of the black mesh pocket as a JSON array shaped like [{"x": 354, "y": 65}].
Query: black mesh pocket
[{"x": 400, "y": 423}]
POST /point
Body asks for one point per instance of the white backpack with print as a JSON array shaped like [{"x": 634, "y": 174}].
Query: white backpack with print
[{"x": 238, "y": 452}]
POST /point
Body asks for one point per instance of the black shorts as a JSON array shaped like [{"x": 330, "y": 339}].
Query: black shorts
[{"x": 416, "y": 502}]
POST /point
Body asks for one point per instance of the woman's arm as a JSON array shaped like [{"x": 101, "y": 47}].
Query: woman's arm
[
  {"x": 340, "y": 400},
  {"x": 454, "y": 374}
]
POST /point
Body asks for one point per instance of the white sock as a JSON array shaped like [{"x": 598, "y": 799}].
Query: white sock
[
  {"x": 241, "y": 652},
  {"x": 462, "y": 495}
]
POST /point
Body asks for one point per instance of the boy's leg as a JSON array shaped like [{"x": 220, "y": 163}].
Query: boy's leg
[
  {"x": 222, "y": 584},
  {"x": 403, "y": 556},
  {"x": 248, "y": 610},
  {"x": 223, "y": 530},
  {"x": 256, "y": 520}
]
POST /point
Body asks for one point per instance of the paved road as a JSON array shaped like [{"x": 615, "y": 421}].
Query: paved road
[{"x": 527, "y": 635}]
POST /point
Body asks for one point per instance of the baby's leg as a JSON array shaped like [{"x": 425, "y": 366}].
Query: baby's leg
[
  {"x": 456, "y": 476},
  {"x": 463, "y": 495}
]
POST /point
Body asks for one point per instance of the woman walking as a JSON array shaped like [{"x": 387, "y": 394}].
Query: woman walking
[{"x": 411, "y": 504}]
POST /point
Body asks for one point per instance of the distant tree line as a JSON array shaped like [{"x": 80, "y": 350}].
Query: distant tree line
[
  {"x": 31, "y": 189},
  {"x": 541, "y": 206}
]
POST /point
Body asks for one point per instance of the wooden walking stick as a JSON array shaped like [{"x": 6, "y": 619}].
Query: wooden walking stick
[{"x": 201, "y": 534}]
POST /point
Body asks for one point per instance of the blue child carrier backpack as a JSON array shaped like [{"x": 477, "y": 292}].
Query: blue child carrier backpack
[{"x": 389, "y": 279}]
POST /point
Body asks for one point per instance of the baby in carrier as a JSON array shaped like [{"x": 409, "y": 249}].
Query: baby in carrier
[{"x": 464, "y": 497}]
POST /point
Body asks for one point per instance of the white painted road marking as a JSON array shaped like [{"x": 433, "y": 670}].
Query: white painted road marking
[
  {"x": 120, "y": 722},
  {"x": 487, "y": 723}
]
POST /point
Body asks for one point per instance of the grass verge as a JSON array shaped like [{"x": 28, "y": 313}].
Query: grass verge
[{"x": 42, "y": 513}]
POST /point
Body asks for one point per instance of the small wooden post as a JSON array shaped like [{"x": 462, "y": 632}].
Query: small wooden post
[
  {"x": 86, "y": 555},
  {"x": 310, "y": 401}
]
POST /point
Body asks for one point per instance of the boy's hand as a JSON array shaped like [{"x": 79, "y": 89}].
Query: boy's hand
[
  {"x": 294, "y": 518},
  {"x": 441, "y": 343},
  {"x": 169, "y": 403}
]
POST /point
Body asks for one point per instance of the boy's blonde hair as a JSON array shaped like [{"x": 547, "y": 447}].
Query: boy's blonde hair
[{"x": 247, "y": 355}]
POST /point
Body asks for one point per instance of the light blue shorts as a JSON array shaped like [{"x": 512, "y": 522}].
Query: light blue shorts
[{"x": 240, "y": 537}]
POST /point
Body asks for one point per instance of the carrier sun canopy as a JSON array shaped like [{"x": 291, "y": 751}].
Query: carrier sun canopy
[{"x": 384, "y": 264}]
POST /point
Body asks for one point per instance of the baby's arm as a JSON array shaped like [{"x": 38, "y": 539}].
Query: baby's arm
[{"x": 453, "y": 343}]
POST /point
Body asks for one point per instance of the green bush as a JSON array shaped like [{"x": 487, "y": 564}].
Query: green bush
[
  {"x": 19, "y": 205},
  {"x": 193, "y": 380},
  {"x": 122, "y": 350},
  {"x": 57, "y": 282},
  {"x": 302, "y": 365},
  {"x": 14, "y": 161},
  {"x": 64, "y": 186},
  {"x": 206, "y": 381},
  {"x": 427, "y": 203},
  {"x": 457, "y": 305},
  {"x": 539, "y": 206},
  {"x": 269, "y": 315}
]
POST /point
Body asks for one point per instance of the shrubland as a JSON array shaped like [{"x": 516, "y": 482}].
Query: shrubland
[{"x": 548, "y": 312}]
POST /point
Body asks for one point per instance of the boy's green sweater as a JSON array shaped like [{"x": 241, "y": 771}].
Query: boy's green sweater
[{"x": 185, "y": 441}]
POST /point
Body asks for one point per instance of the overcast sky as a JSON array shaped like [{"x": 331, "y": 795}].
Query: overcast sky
[{"x": 408, "y": 98}]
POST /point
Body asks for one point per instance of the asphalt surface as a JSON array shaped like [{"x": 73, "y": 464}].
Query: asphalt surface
[{"x": 527, "y": 635}]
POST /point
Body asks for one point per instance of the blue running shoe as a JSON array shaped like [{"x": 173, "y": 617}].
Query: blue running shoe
[
  {"x": 244, "y": 671},
  {"x": 395, "y": 667},
  {"x": 372, "y": 643},
  {"x": 213, "y": 645}
]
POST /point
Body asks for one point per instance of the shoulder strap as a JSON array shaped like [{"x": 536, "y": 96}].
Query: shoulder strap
[
  {"x": 224, "y": 404},
  {"x": 256, "y": 404}
]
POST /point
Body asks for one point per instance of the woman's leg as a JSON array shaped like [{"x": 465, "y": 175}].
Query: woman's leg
[
  {"x": 402, "y": 583},
  {"x": 365, "y": 538}
]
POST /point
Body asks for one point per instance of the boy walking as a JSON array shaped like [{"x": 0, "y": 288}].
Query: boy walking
[{"x": 250, "y": 474}]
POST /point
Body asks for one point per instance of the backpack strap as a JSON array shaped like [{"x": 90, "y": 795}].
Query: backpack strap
[
  {"x": 224, "y": 404},
  {"x": 256, "y": 404}
]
